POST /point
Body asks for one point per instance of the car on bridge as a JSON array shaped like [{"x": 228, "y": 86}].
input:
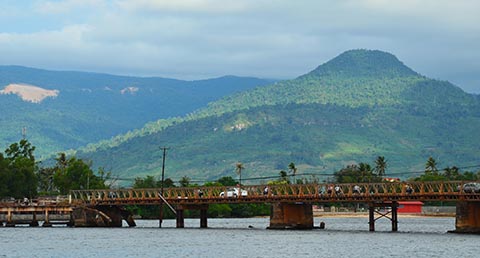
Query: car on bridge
[
  {"x": 233, "y": 192},
  {"x": 471, "y": 187}
]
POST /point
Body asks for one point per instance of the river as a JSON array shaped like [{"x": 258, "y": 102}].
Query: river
[{"x": 236, "y": 238}]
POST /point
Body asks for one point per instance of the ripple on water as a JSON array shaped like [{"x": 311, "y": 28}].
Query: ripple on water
[{"x": 417, "y": 237}]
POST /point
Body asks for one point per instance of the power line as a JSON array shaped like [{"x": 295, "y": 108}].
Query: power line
[{"x": 299, "y": 174}]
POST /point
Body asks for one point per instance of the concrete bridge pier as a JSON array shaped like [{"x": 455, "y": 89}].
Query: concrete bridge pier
[
  {"x": 291, "y": 216},
  {"x": 467, "y": 217},
  {"x": 46, "y": 222},
  {"x": 10, "y": 222},
  {"x": 181, "y": 217},
  {"x": 34, "y": 222},
  {"x": 203, "y": 218},
  {"x": 101, "y": 216}
]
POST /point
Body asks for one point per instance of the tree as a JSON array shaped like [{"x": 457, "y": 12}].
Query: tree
[
  {"x": 45, "y": 180},
  {"x": 293, "y": 169},
  {"x": 184, "y": 181},
  {"x": 380, "y": 166},
  {"x": 4, "y": 177},
  {"x": 452, "y": 173},
  {"x": 227, "y": 181},
  {"x": 431, "y": 166},
  {"x": 151, "y": 182},
  {"x": 238, "y": 168},
  {"x": 21, "y": 149},
  {"x": 361, "y": 173},
  {"x": 168, "y": 182},
  {"x": 147, "y": 182},
  {"x": 366, "y": 172},
  {"x": 348, "y": 174},
  {"x": 284, "y": 177},
  {"x": 17, "y": 171},
  {"x": 74, "y": 173}
]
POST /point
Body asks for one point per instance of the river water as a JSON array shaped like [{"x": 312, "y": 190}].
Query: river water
[{"x": 236, "y": 238}]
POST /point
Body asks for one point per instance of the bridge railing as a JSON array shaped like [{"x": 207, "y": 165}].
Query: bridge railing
[{"x": 324, "y": 191}]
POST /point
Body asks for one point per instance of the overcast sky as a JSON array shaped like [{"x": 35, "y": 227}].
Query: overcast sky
[{"x": 196, "y": 39}]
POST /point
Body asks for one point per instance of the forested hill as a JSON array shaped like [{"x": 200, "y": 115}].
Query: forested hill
[
  {"x": 360, "y": 63},
  {"x": 354, "y": 78},
  {"x": 359, "y": 105},
  {"x": 63, "y": 110}
]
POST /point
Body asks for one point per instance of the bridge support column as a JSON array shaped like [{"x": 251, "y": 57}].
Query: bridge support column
[
  {"x": 371, "y": 217},
  {"x": 203, "y": 214},
  {"x": 34, "y": 222},
  {"x": 117, "y": 214},
  {"x": 372, "y": 210},
  {"x": 10, "y": 222},
  {"x": 180, "y": 219},
  {"x": 467, "y": 217},
  {"x": 394, "y": 217},
  {"x": 100, "y": 216},
  {"x": 291, "y": 216},
  {"x": 47, "y": 223},
  {"x": 203, "y": 218}
]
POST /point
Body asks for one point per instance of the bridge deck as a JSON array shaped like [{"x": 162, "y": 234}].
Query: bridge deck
[{"x": 310, "y": 193}]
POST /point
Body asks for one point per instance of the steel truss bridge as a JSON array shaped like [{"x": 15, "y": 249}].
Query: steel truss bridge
[
  {"x": 309, "y": 193},
  {"x": 291, "y": 203}
]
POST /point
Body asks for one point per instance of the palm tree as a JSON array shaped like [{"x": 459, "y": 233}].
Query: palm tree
[
  {"x": 380, "y": 166},
  {"x": 238, "y": 168},
  {"x": 45, "y": 180},
  {"x": 62, "y": 161},
  {"x": 451, "y": 173},
  {"x": 184, "y": 181},
  {"x": 283, "y": 176},
  {"x": 293, "y": 169},
  {"x": 431, "y": 166},
  {"x": 365, "y": 171}
]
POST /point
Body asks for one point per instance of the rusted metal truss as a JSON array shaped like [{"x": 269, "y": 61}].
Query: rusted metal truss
[{"x": 310, "y": 193}]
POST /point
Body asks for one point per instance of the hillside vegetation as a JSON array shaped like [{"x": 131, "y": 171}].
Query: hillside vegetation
[
  {"x": 357, "y": 106},
  {"x": 78, "y": 108}
]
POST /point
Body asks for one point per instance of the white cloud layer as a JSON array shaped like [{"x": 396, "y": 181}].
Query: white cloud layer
[{"x": 193, "y": 39}]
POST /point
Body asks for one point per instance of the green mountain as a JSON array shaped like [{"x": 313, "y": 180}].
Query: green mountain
[
  {"x": 359, "y": 105},
  {"x": 65, "y": 110}
]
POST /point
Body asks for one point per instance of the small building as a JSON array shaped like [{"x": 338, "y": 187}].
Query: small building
[
  {"x": 391, "y": 179},
  {"x": 410, "y": 207}
]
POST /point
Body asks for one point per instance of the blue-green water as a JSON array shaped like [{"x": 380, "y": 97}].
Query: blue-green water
[{"x": 343, "y": 237}]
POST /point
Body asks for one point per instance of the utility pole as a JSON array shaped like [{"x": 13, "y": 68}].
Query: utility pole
[
  {"x": 24, "y": 132},
  {"x": 161, "y": 186}
]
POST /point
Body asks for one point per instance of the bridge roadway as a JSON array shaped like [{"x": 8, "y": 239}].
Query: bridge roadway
[
  {"x": 307, "y": 193},
  {"x": 291, "y": 204}
]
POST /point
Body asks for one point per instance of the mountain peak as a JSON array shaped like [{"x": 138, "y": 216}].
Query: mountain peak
[{"x": 364, "y": 63}]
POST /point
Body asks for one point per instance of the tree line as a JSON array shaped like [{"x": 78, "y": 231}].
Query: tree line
[
  {"x": 365, "y": 173},
  {"x": 21, "y": 176}
]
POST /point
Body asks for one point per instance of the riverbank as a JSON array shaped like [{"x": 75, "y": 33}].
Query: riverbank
[{"x": 365, "y": 215}]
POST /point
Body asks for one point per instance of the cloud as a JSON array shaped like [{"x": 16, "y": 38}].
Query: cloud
[
  {"x": 65, "y": 7},
  {"x": 183, "y": 6},
  {"x": 195, "y": 39}
]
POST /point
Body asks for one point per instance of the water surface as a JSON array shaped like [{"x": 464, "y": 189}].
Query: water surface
[{"x": 348, "y": 237}]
